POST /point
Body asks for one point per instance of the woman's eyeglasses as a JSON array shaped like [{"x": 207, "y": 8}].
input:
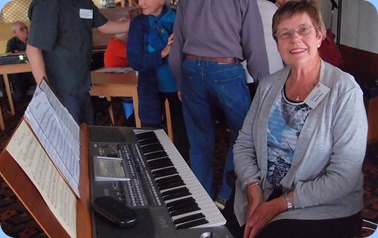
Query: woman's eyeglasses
[{"x": 286, "y": 33}]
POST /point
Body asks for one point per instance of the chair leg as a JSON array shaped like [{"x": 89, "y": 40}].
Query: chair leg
[
  {"x": 111, "y": 114},
  {"x": 168, "y": 119}
]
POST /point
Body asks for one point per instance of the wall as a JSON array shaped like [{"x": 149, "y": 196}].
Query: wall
[
  {"x": 359, "y": 23},
  {"x": 358, "y": 36}
]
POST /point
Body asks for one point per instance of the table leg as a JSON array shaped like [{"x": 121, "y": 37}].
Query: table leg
[{"x": 9, "y": 94}]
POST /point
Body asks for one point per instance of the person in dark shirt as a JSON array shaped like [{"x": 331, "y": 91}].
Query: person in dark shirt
[
  {"x": 60, "y": 49},
  {"x": 20, "y": 82}
]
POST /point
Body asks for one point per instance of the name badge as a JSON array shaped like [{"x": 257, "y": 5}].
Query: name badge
[
  {"x": 316, "y": 95},
  {"x": 86, "y": 13}
]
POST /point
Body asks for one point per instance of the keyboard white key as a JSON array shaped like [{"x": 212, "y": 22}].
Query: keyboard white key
[{"x": 205, "y": 203}]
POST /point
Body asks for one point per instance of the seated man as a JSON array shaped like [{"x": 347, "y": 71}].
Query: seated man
[{"x": 20, "y": 82}]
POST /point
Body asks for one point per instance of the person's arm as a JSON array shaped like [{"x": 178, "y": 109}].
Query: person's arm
[
  {"x": 253, "y": 43},
  {"x": 246, "y": 163},
  {"x": 36, "y": 63},
  {"x": 114, "y": 27},
  {"x": 11, "y": 45},
  {"x": 140, "y": 59},
  {"x": 176, "y": 53}
]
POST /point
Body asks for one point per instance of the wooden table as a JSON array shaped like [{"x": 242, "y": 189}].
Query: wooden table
[
  {"x": 116, "y": 85},
  {"x": 12, "y": 69},
  {"x": 104, "y": 84}
]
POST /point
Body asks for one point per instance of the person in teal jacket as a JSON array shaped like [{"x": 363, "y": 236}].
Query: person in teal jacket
[{"x": 148, "y": 46}]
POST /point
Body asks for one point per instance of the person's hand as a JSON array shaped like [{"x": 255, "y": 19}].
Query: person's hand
[
  {"x": 167, "y": 48},
  {"x": 255, "y": 198},
  {"x": 264, "y": 212},
  {"x": 259, "y": 217},
  {"x": 170, "y": 40}
]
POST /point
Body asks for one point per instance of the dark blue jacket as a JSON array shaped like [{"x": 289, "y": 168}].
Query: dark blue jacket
[{"x": 146, "y": 63}]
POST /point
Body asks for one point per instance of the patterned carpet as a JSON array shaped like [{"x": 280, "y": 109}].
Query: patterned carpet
[{"x": 16, "y": 221}]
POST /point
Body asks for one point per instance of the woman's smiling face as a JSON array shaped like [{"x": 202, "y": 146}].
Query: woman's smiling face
[{"x": 297, "y": 40}]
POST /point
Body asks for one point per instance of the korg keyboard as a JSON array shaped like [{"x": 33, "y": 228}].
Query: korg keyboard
[{"x": 144, "y": 170}]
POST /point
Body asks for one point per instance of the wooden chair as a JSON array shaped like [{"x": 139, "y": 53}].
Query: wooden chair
[{"x": 168, "y": 120}]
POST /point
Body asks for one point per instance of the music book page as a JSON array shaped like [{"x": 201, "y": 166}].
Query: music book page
[
  {"x": 26, "y": 150},
  {"x": 60, "y": 144},
  {"x": 62, "y": 112}
]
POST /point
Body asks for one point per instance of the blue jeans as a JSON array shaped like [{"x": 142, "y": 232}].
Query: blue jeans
[
  {"x": 79, "y": 106},
  {"x": 206, "y": 86}
]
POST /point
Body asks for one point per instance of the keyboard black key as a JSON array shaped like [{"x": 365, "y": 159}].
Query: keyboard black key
[
  {"x": 146, "y": 135},
  {"x": 185, "y": 210},
  {"x": 171, "y": 185},
  {"x": 155, "y": 155},
  {"x": 159, "y": 163},
  {"x": 164, "y": 172},
  {"x": 152, "y": 148},
  {"x": 182, "y": 206},
  {"x": 174, "y": 191},
  {"x": 188, "y": 218},
  {"x": 177, "y": 195},
  {"x": 169, "y": 179},
  {"x": 149, "y": 141},
  {"x": 181, "y": 201},
  {"x": 193, "y": 224}
]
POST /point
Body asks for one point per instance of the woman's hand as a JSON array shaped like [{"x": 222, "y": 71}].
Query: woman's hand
[
  {"x": 255, "y": 198},
  {"x": 260, "y": 213},
  {"x": 257, "y": 220},
  {"x": 170, "y": 40}
]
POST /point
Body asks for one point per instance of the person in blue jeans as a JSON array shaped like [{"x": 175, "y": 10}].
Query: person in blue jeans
[{"x": 211, "y": 39}]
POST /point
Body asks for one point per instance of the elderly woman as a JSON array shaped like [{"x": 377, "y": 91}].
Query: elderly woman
[{"x": 299, "y": 153}]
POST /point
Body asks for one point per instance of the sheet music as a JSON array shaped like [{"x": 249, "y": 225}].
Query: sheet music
[
  {"x": 29, "y": 154},
  {"x": 62, "y": 112},
  {"x": 60, "y": 143}
]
